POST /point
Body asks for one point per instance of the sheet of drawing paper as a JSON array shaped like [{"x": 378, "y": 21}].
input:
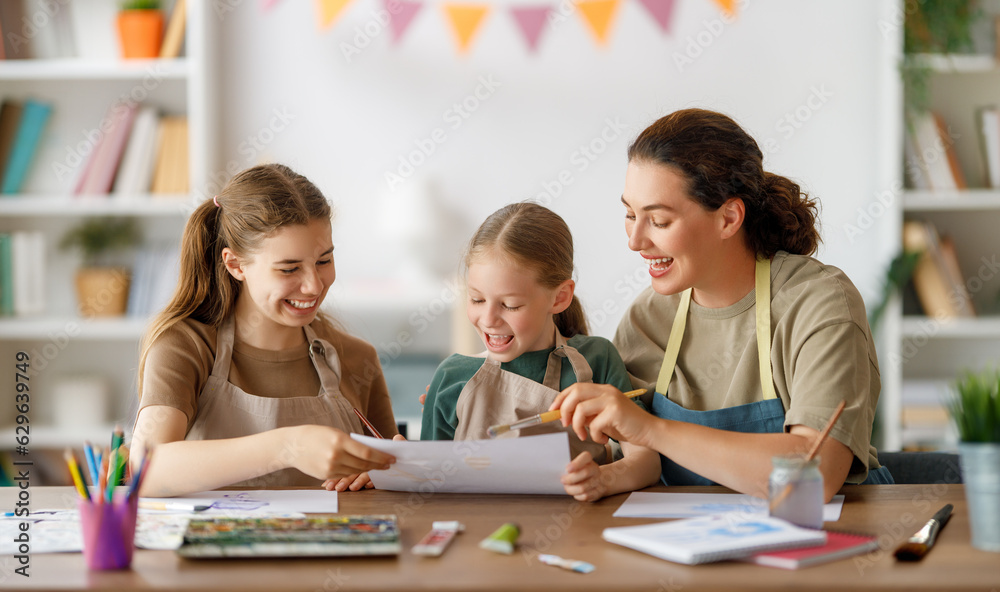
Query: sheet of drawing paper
[
  {"x": 528, "y": 465},
  {"x": 648, "y": 504},
  {"x": 292, "y": 503}
]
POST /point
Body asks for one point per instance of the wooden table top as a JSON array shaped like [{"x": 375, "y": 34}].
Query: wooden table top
[{"x": 549, "y": 524}]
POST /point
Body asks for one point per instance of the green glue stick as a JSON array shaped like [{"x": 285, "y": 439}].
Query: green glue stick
[{"x": 503, "y": 539}]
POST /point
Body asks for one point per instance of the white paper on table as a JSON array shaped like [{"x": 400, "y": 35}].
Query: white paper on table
[
  {"x": 528, "y": 465},
  {"x": 250, "y": 503},
  {"x": 651, "y": 504}
]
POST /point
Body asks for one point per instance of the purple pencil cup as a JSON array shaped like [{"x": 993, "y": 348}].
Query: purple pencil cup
[{"x": 108, "y": 532}]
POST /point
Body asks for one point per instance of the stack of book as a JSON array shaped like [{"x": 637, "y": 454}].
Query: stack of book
[
  {"x": 21, "y": 127},
  {"x": 926, "y": 423},
  {"x": 22, "y": 273},
  {"x": 931, "y": 162},
  {"x": 937, "y": 278}
]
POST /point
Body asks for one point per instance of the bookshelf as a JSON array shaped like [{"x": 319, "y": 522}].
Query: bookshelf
[
  {"x": 63, "y": 345},
  {"x": 924, "y": 355}
]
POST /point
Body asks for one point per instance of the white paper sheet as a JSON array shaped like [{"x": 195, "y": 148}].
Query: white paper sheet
[
  {"x": 648, "y": 504},
  {"x": 260, "y": 502},
  {"x": 528, "y": 465}
]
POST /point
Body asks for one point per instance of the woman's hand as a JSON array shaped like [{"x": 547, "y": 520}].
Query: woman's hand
[
  {"x": 354, "y": 482},
  {"x": 605, "y": 410},
  {"x": 328, "y": 453},
  {"x": 582, "y": 479}
]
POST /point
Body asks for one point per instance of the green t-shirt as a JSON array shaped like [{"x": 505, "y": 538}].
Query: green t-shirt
[{"x": 440, "y": 419}]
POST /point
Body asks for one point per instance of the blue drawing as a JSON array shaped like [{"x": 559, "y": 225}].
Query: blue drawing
[
  {"x": 745, "y": 529},
  {"x": 238, "y": 501}
]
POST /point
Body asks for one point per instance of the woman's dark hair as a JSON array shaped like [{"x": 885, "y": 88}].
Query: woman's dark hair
[
  {"x": 721, "y": 161},
  {"x": 537, "y": 239}
]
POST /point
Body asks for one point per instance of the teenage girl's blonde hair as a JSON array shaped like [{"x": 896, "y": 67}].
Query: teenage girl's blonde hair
[
  {"x": 537, "y": 239},
  {"x": 251, "y": 207}
]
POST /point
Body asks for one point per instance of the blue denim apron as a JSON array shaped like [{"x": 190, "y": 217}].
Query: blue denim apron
[{"x": 761, "y": 417}]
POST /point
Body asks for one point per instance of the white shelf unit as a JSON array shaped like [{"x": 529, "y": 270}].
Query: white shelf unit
[
  {"x": 62, "y": 344},
  {"x": 924, "y": 351}
]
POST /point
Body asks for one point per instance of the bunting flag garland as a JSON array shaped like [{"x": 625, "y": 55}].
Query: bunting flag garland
[
  {"x": 401, "y": 12},
  {"x": 661, "y": 11},
  {"x": 598, "y": 14},
  {"x": 531, "y": 21},
  {"x": 268, "y": 4},
  {"x": 329, "y": 10},
  {"x": 465, "y": 20}
]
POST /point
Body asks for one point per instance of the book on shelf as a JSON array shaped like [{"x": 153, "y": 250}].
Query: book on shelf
[
  {"x": 6, "y": 275},
  {"x": 10, "y": 118},
  {"x": 16, "y": 45},
  {"x": 839, "y": 545},
  {"x": 171, "y": 173},
  {"x": 173, "y": 38},
  {"x": 937, "y": 278},
  {"x": 135, "y": 173},
  {"x": 312, "y": 536},
  {"x": 99, "y": 173},
  {"x": 988, "y": 125},
  {"x": 933, "y": 149},
  {"x": 27, "y": 272},
  {"x": 34, "y": 117},
  {"x": 704, "y": 539},
  {"x": 154, "y": 278}
]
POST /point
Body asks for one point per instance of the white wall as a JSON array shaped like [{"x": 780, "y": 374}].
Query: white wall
[{"x": 352, "y": 120}]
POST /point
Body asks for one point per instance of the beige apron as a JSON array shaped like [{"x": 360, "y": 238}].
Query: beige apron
[
  {"x": 226, "y": 411},
  {"x": 494, "y": 396}
]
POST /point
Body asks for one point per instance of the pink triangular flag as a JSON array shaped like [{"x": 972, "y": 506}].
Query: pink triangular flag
[
  {"x": 661, "y": 10},
  {"x": 531, "y": 20},
  {"x": 268, "y": 4},
  {"x": 401, "y": 13}
]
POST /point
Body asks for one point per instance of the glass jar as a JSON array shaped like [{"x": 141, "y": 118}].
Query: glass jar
[{"x": 802, "y": 504}]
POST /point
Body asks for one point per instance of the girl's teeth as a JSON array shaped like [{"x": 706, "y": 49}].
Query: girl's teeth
[
  {"x": 300, "y": 304},
  {"x": 497, "y": 340},
  {"x": 660, "y": 261}
]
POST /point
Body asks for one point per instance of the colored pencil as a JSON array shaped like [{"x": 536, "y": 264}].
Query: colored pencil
[
  {"x": 74, "y": 472},
  {"x": 88, "y": 453}
]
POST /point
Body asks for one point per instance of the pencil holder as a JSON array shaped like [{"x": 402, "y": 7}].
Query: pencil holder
[{"x": 108, "y": 532}]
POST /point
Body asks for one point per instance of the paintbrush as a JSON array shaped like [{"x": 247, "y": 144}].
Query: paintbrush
[
  {"x": 920, "y": 543},
  {"x": 809, "y": 456},
  {"x": 546, "y": 417}
]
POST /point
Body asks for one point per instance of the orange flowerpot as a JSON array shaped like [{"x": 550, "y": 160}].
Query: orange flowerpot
[{"x": 140, "y": 33}]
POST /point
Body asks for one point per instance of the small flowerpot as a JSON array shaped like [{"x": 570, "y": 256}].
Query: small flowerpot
[
  {"x": 140, "y": 33},
  {"x": 981, "y": 475},
  {"x": 102, "y": 291}
]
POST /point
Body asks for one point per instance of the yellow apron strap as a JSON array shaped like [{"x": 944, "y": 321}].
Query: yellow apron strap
[
  {"x": 673, "y": 343},
  {"x": 762, "y": 292}
]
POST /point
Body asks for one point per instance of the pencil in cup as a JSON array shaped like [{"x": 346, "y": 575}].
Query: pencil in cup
[{"x": 541, "y": 418}]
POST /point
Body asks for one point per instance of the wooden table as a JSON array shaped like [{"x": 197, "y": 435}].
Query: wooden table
[{"x": 550, "y": 524}]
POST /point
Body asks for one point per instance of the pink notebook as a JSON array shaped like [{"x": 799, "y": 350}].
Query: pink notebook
[{"x": 838, "y": 546}]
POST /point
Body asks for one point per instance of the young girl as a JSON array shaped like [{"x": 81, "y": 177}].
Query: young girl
[
  {"x": 242, "y": 380},
  {"x": 519, "y": 267}
]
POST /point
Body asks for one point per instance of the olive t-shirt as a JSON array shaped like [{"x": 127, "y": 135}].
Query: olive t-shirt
[
  {"x": 821, "y": 353},
  {"x": 180, "y": 361}
]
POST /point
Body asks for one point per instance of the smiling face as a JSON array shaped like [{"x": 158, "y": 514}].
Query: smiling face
[
  {"x": 683, "y": 243},
  {"x": 284, "y": 283},
  {"x": 511, "y": 311}
]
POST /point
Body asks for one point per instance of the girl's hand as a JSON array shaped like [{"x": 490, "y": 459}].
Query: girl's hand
[
  {"x": 583, "y": 479},
  {"x": 330, "y": 454},
  {"x": 354, "y": 482},
  {"x": 605, "y": 411},
  {"x": 423, "y": 397}
]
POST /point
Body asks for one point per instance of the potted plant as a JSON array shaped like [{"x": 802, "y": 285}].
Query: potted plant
[
  {"x": 102, "y": 282},
  {"x": 140, "y": 28},
  {"x": 976, "y": 412}
]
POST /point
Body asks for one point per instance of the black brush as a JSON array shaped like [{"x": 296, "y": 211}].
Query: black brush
[{"x": 919, "y": 544}]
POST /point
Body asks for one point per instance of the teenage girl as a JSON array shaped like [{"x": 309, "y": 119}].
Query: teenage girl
[
  {"x": 519, "y": 269},
  {"x": 242, "y": 380}
]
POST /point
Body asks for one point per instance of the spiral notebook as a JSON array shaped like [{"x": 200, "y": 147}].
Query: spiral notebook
[
  {"x": 312, "y": 536},
  {"x": 713, "y": 538}
]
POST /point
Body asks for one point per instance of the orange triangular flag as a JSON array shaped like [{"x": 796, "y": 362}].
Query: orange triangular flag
[
  {"x": 465, "y": 21},
  {"x": 727, "y": 6},
  {"x": 329, "y": 10},
  {"x": 598, "y": 14}
]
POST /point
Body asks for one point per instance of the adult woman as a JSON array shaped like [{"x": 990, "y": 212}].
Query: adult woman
[{"x": 728, "y": 247}]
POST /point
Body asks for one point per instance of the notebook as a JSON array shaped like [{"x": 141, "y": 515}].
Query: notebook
[
  {"x": 713, "y": 538},
  {"x": 838, "y": 546},
  {"x": 312, "y": 536}
]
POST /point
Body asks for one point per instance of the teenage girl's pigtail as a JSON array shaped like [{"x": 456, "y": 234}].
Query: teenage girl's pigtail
[{"x": 572, "y": 321}]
